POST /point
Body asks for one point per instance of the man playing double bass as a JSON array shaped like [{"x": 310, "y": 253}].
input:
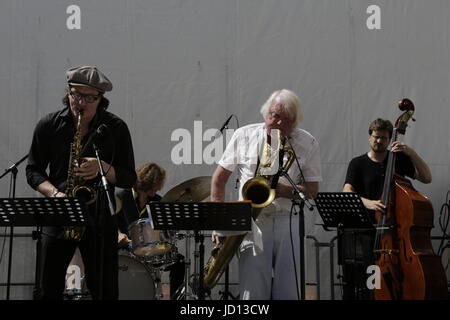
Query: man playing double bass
[{"x": 365, "y": 176}]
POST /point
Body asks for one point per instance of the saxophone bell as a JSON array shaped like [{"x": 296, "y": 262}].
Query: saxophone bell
[{"x": 85, "y": 194}]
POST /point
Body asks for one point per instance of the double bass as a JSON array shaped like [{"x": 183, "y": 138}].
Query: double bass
[{"x": 409, "y": 269}]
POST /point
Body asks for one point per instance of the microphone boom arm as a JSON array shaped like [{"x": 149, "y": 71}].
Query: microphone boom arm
[{"x": 297, "y": 190}]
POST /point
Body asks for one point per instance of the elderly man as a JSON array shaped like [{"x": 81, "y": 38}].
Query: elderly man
[
  {"x": 266, "y": 262},
  {"x": 55, "y": 137}
]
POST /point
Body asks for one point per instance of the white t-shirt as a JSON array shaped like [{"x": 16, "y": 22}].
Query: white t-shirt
[{"x": 242, "y": 152}]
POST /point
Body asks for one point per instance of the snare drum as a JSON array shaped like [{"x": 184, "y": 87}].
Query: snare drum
[
  {"x": 165, "y": 260},
  {"x": 136, "y": 279},
  {"x": 147, "y": 242}
]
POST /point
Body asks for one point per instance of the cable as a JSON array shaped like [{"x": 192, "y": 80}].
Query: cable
[
  {"x": 3, "y": 244},
  {"x": 237, "y": 121},
  {"x": 444, "y": 219},
  {"x": 302, "y": 177},
  {"x": 293, "y": 250}
]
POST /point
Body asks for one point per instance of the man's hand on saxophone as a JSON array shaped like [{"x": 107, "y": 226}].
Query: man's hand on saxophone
[
  {"x": 216, "y": 238},
  {"x": 88, "y": 169}
]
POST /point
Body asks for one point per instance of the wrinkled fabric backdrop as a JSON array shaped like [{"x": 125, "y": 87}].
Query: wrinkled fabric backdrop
[{"x": 180, "y": 68}]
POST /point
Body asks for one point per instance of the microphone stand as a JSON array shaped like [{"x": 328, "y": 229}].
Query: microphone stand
[
  {"x": 104, "y": 181},
  {"x": 100, "y": 224},
  {"x": 12, "y": 191},
  {"x": 301, "y": 202}
]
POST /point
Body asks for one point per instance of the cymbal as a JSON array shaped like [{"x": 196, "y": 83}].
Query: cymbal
[{"x": 193, "y": 190}]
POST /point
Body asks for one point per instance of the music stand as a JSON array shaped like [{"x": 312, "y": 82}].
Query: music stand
[
  {"x": 346, "y": 212},
  {"x": 342, "y": 209},
  {"x": 39, "y": 212},
  {"x": 200, "y": 216}
]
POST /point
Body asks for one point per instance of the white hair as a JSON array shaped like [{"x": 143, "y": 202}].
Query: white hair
[{"x": 289, "y": 101}]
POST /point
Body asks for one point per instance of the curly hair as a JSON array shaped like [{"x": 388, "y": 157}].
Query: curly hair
[
  {"x": 289, "y": 101},
  {"x": 149, "y": 175}
]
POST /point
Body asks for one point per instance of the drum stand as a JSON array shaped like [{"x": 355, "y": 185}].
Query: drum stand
[
  {"x": 156, "y": 273},
  {"x": 189, "y": 290},
  {"x": 186, "y": 292},
  {"x": 226, "y": 294}
]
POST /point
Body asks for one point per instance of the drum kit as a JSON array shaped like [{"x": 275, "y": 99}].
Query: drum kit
[{"x": 151, "y": 252}]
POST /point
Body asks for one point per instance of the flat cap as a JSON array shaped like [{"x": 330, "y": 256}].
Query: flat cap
[{"x": 88, "y": 76}]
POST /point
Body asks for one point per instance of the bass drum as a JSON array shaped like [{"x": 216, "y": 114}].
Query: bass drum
[{"x": 136, "y": 279}]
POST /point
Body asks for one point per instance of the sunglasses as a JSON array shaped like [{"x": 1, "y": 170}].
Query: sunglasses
[{"x": 89, "y": 98}]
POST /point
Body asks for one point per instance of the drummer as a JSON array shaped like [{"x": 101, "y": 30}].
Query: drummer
[{"x": 131, "y": 206}]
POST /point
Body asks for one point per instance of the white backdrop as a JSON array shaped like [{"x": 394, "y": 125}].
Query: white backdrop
[{"x": 173, "y": 62}]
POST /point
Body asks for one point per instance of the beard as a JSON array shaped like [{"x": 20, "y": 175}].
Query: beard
[{"x": 378, "y": 148}]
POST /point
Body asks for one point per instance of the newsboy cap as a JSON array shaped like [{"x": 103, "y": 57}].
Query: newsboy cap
[{"x": 88, "y": 76}]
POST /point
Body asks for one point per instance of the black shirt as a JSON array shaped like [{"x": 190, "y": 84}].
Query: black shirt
[
  {"x": 130, "y": 210},
  {"x": 356, "y": 246},
  {"x": 367, "y": 176},
  {"x": 50, "y": 149}
]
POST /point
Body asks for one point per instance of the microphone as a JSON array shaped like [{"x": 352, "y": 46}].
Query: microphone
[
  {"x": 96, "y": 135},
  {"x": 225, "y": 124},
  {"x": 305, "y": 200},
  {"x": 100, "y": 132},
  {"x": 276, "y": 177}
]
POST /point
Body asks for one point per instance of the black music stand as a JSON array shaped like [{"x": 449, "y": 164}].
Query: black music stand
[
  {"x": 198, "y": 216},
  {"x": 39, "y": 212},
  {"x": 31, "y": 212},
  {"x": 346, "y": 212},
  {"x": 342, "y": 209}
]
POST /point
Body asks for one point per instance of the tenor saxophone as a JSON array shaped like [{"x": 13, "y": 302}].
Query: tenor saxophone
[
  {"x": 258, "y": 190},
  {"x": 75, "y": 184}
]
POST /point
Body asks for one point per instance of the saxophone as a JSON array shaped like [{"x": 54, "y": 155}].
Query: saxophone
[
  {"x": 75, "y": 187},
  {"x": 258, "y": 190}
]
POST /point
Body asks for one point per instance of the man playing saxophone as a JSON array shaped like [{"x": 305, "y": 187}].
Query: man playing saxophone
[
  {"x": 62, "y": 143},
  {"x": 266, "y": 252}
]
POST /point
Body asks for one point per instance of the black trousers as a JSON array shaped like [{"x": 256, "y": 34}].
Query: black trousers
[
  {"x": 355, "y": 255},
  {"x": 98, "y": 248}
]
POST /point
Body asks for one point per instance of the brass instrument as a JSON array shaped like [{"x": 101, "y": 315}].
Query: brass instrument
[
  {"x": 75, "y": 187},
  {"x": 258, "y": 190}
]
